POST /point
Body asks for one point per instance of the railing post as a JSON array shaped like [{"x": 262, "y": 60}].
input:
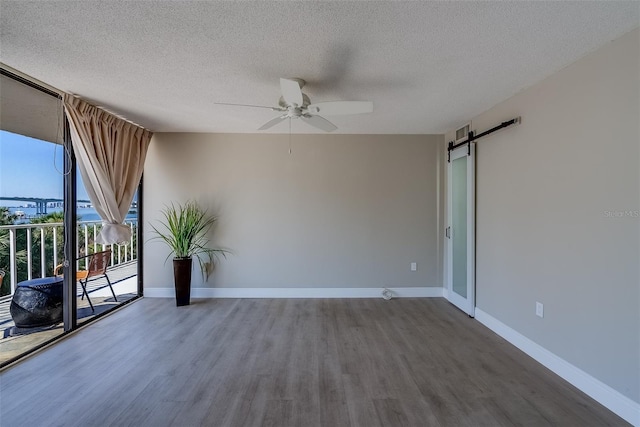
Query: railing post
[
  {"x": 138, "y": 242},
  {"x": 86, "y": 239},
  {"x": 131, "y": 227},
  {"x": 43, "y": 254},
  {"x": 29, "y": 257},
  {"x": 55, "y": 246},
  {"x": 95, "y": 237},
  {"x": 75, "y": 250},
  {"x": 12, "y": 260}
]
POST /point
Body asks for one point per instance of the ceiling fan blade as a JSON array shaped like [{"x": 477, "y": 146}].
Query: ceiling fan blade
[
  {"x": 291, "y": 91},
  {"x": 272, "y": 123},
  {"x": 341, "y": 107},
  {"x": 249, "y": 105},
  {"x": 319, "y": 122}
]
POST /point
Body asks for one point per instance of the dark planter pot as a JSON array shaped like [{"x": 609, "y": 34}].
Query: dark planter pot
[{"x": 182, "y": 280}]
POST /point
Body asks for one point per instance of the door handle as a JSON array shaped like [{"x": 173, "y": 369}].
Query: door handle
[{"x": 448, "y": 232}]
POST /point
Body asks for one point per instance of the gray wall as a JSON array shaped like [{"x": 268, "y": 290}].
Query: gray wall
[
  {"x": 548, "y": 192},
  {"x": 340, "y": 211}
]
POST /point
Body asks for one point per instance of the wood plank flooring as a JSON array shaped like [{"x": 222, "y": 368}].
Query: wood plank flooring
[{"x": 290, "y": 362}]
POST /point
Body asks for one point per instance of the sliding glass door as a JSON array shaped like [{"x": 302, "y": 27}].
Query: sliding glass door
[
  {"x": 33, "y": 171},
  {"x": 106, "y": 274},
  {"x": 52, "y": 277}
]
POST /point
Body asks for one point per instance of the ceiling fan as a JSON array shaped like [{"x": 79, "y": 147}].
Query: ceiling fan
[{"x": 296, "y": 105}]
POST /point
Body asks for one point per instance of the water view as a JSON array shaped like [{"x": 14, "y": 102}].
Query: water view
[{"x": 25, "y": 214}]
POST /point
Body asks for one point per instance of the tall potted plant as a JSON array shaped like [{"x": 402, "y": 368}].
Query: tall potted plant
[{"x": 185, "y": 229}]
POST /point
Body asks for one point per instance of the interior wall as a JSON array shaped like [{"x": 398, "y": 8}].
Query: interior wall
[
  {"x": 557, "y": 214},
  {"x": 349, "y": 211}
]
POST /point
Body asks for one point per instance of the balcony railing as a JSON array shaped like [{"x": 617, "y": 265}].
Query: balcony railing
[{"x": 43, "y": 244}]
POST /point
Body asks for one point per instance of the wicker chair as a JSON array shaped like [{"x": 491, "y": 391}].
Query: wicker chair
[{"x": 97, "y": 265}]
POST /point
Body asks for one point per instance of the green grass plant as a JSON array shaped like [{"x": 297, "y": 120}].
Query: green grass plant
[{"x": 184, "y": 229}]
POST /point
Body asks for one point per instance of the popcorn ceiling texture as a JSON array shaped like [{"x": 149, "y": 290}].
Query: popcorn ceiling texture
[{"x": 428, "y": 67}]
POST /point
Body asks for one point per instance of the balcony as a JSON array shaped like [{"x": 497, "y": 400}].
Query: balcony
[{"x": 34, "y": 250}]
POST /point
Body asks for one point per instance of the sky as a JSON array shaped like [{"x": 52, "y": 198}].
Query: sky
[{"x": 31, "y": 168}]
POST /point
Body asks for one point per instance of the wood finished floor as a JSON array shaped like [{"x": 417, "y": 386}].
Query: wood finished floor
[{"x": 295, "y": 362}]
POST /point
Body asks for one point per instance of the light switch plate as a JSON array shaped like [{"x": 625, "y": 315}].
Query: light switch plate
[
  {"x": 414, "y": 266},
  {"x": 539, "y": 309}
]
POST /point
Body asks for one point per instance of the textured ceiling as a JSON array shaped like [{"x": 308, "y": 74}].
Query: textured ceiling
[{"x": 427, "y": 66}]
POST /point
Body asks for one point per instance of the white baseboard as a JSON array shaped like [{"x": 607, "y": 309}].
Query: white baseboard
[
  {"x": 616, "y": 402},
  {"x": 428, "y": 292}
]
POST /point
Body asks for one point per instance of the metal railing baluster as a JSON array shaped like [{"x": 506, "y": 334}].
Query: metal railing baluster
[
  {"x": 43, "y": 254},
  {"x": 55, "y": 246},
  {"x": 95, "y": 237},
  {"x": 12, "y": 260},
  {"x": 131, "y": 242},
  {"x": 86, "y": 238},
  {"x": 29, "y": 257}
]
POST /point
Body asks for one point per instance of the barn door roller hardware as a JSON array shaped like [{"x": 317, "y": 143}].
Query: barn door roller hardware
[{"x": 472, "y": 136}]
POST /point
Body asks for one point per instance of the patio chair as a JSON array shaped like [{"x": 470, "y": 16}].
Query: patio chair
[{"x": 97, "y": 265}]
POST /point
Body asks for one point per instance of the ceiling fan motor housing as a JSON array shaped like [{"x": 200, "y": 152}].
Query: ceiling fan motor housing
[{"x": 305, "y": 102}]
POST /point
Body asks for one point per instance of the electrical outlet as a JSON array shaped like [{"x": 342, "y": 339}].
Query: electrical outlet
[
  {"x": 539, "y": 309},
  {"x": 414, "y": 266}
]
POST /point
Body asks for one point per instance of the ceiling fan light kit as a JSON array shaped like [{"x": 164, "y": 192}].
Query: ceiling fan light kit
[{"x": 297, "y": 105}]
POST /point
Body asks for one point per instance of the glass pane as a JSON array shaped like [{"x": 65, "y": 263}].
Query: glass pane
[
  {"x": 31, "y": 243},
  {"x": 459, "y": 226},
  {"x": 109, "y": 279}
]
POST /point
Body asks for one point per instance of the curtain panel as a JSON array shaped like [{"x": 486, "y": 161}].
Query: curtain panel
[{"x": 110, "y": 153}]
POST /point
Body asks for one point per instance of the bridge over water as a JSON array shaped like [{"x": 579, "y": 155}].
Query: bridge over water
[{"x": 40, "y": 202}]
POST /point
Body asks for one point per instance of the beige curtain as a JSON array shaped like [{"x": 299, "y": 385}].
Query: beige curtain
[{"x": 110, "y": 153}]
